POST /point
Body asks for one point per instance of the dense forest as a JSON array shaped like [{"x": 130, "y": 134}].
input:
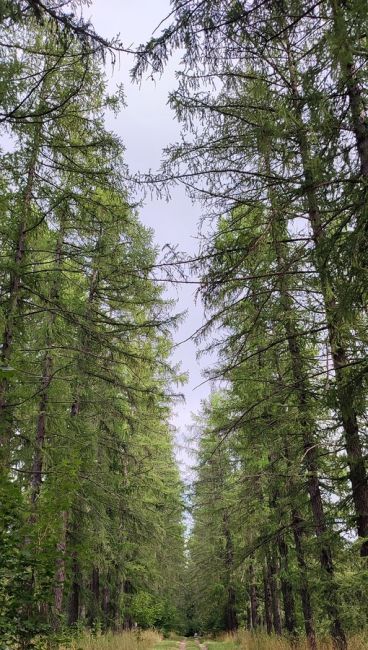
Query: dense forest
[{"x": 99, "y": 530}]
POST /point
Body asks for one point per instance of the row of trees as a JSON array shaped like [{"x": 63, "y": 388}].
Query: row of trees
[
  {"x": 91, "y": 512},
  {"x": 273, "y": 101}
]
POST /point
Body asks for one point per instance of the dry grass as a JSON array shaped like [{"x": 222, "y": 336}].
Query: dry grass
[
  {"x": 136, "y": 640},
  {"x": 247, "y": 641},
  {"x": 242, "y": 641}
]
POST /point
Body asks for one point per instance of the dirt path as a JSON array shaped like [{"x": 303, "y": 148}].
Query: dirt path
[{"x": 182, "y": 645}]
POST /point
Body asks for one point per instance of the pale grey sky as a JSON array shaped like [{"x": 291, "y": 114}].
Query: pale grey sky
[{"x": 146, "y": 126}]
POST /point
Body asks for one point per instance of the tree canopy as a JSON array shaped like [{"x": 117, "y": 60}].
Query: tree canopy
[{"x": 272, "y": 101}]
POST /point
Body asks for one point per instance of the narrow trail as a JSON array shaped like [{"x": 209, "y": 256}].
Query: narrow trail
[{"x": 183, "y": 645}]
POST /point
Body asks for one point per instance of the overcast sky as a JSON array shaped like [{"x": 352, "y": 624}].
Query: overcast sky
[{"x": 146, "y": 126}]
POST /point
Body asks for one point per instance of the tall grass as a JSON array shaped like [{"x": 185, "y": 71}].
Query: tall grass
[
  {"x": 136, "y": 640},
  {"x": 247, "y": 641},
  {"x": 243, "y": 640}
]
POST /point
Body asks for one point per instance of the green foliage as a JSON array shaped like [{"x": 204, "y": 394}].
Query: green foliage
[{"x": 92, "y": 513}]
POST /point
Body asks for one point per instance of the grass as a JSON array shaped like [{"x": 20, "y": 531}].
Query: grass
[
  {"x": 136, "y": 640},
  {"x": 247, "y": 641},
  {"x": 168, "y": 644},
  {"x": 222, "y": 645},
  {"x": 151, "y": 640}
]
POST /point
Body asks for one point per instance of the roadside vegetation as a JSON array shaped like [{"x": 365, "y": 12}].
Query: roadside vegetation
[{"x": 242, "y": 640}]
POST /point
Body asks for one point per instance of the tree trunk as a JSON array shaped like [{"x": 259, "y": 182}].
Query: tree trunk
[
  {"x": 287, "y": 587},
  {"x": 307, "y": 429},
  {"x": 74, "y": 602},
  {"x": 231, "y": 620},
  {"x": 253, "y": 597},
  {"x": 95, "y": 584},
  {"x": 128, "y": 621},
  {"x": 267, "y": 598},
  {"x": 304, "y": 590},
  {"x": 298, "y": 528},
  {"x": 94, "y": 609},
  {"x": 358, "y": 110},
  {"x": 311, "y": 463},
  {"x": 36, "y": 477},
  {"x": 272, "y": 565},
  {"x": 345, "y": 390}
]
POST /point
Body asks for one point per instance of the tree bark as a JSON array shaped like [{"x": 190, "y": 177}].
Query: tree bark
[
  {"x": 267, "y": 598},
  {"x": 253, "y": 597},
  {"x": 287, "y": 587},
  {"x": 272, "y": 564},
  {"x": 304, "y": 589},
  {"x": 298, "y": 528},
  {"x": 74, "y": 602}
]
